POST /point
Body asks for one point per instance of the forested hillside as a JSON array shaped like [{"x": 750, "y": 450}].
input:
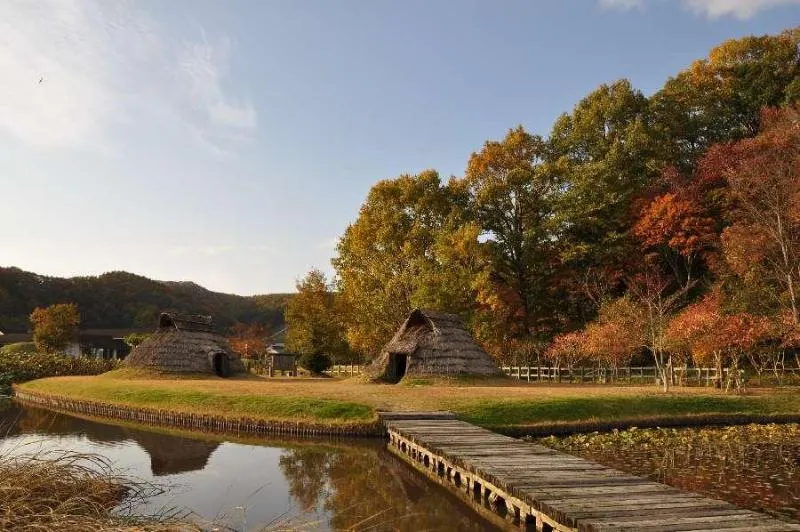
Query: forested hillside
[{"x": 122, "y": 300}]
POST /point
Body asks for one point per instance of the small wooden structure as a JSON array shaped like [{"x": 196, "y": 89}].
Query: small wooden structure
[
  {"x": 286, "y": 363},
  {"x": 431, "y": 343},
  {"x": 186, "y": 344}
]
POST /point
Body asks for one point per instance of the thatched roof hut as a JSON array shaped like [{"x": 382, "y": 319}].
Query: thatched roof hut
[
  {"x": 186, "y": 344},
  {"x": 431, "y": 343}
]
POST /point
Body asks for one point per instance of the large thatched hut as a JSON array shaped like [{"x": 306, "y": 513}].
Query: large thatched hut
[
  {"x": 186, "y": 344},
  {"x": 431, "y": 343}
]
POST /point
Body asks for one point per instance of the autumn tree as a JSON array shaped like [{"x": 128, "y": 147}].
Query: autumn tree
[
  {"x": 659, "y": 299},
  {"x": 313, "y": 320},
  {"x": 713, "y": 337},
  {"x": 55, "y": 327},
  {"x": 511, "y": 201},
  {"x": 249, "y": 339},
  {"x": 567, "y": 350},
  {"x": 385, "y": 254},
  {"x": 617, "y": 334},
  {"x": 764, "y": 176},
  {"x": 676, "y": 228}
]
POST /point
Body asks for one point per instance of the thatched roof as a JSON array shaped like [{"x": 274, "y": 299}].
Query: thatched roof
[
  {"x": 433, "y": 343},
  {"x": 186, "y": 344},
  {"x": 186, "y": 322}
]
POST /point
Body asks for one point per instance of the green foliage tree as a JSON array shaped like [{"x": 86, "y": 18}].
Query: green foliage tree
[
  {"x": 511, "y": 200},
  {"x": 55, "y": 327},
  {"x": 719, "y": 98},
  {"x": 134, "y": 339},
  {"x": 601, "y": 154},
  {"x": 316, "y": 363},
  {"x": 383, "y": 256},
  {"x": 314, "y": 324}
]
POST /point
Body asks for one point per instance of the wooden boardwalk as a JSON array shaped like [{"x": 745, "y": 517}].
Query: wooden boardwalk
[{"x": 537, "y": 488}]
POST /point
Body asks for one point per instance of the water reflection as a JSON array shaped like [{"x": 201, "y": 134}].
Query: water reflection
[{"x": 354, "y": 485}]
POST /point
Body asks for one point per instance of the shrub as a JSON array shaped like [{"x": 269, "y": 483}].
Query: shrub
[
  {"x": 17, "y": 348},
  {"x": 26, "y": 366},
  {"x": 315, "y": 362}
]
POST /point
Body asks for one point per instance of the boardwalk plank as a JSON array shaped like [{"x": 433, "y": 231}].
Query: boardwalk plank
[{"x": 577, "y": 493}]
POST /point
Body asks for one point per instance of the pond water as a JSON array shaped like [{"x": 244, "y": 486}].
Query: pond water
[
  {"x": 324, "y": 485},
  {"x": 752, "y": 466}
]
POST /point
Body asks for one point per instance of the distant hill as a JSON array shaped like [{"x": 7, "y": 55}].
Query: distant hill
[{"x": 125, "y": 300}]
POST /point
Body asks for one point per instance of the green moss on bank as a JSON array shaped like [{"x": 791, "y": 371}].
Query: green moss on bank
[{"x": 266, "y": 407}]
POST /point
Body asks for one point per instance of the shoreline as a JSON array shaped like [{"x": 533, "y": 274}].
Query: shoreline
[
  {"x": 200, "y": 423},
  {"x": 244, "y": 426}
]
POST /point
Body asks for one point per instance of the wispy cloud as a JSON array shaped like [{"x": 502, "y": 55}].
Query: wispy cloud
[
  {"x": 75, "y": 70},
  {"x": 742, "y": 9},
  {"x": 622, "y": 4}
]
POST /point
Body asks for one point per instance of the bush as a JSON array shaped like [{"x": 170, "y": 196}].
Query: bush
[
  {"x": 315, "y": 362},
  {"x": 18, "y": 348},
  {"x": 26, "y": 366}
]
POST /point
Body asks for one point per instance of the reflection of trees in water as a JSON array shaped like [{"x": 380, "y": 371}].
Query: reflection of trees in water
[
  {"x": 307, "y": 471},
  {"x": 367, "y": 488}
]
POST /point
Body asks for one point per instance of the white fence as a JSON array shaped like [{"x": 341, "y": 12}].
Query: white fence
[
  {"x": 345, "y": 370},
  {"x": 636, "y": 375}
]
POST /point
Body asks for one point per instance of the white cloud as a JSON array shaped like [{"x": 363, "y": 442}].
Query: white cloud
[
  {"x": 742, "y": 9},
  {"x": 75, "y": 70}
]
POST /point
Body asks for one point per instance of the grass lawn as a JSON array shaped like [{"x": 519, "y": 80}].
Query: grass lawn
[{"x": 496, "y": 403}]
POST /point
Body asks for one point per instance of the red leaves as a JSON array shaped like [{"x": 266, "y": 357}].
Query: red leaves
[{"x": 676, "y": 222}]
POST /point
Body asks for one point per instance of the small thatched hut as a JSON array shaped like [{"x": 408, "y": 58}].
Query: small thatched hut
[
  {"x": 186, "y": 344},
  {"x": 431, "y": 343}
]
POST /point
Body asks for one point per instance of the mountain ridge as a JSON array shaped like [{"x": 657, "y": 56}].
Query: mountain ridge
[{"x": 121, "y": 299}]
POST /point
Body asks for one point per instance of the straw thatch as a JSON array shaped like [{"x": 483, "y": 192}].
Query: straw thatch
[
  {"x": 186, "y": 344},
  {"x": 431, "y": 343}
]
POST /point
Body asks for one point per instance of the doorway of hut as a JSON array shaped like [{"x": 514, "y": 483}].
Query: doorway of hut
[
  {"x": 397, "y": 366},
  {"x": 221, "y": 365}
]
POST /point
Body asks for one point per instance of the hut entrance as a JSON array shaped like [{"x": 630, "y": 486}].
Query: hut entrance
[
  {"x": 221, "y": 365},
  {"x": 397, "y": 366}
]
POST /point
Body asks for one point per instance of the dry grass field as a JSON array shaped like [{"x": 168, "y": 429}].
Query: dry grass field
[{"x": 497, "y": 402}]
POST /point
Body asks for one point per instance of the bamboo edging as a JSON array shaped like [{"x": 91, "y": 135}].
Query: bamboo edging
[{"x": 199, "y": 422}]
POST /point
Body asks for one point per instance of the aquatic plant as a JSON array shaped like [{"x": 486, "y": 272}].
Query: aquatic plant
[{"x": 754, "y": 466}]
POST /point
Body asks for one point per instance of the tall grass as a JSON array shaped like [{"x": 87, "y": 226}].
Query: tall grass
[{"x": 72, "y": 492}]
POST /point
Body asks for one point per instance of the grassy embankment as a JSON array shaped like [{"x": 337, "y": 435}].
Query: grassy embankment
[{"x": 499, "y": 404}]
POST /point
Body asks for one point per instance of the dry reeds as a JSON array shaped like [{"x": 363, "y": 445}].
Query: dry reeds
[{"x": 71, "y": 492}]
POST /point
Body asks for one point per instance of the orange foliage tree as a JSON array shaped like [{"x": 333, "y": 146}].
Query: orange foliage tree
[
  {"x": 55, "y": 327},
  {"x": 567, "y": 350},
  {"x": 711, "y": 337},
  {"x": 249, "y": 340},
  {"x": 678, "y": 228}
]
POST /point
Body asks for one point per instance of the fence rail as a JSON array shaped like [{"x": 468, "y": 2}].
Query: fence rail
[
  {"x": 635, "y": 374},
  {"x": 346, "y": 370}
]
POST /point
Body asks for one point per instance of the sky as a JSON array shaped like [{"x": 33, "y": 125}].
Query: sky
[{"x": 231, "y": 143}]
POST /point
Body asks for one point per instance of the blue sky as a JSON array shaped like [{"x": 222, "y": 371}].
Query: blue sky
[{"x": 230, "y": 143}]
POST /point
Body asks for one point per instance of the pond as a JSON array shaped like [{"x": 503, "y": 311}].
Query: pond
[
  {"x": 752, "y": 466},
  {"x": 324, "y": 485}
]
